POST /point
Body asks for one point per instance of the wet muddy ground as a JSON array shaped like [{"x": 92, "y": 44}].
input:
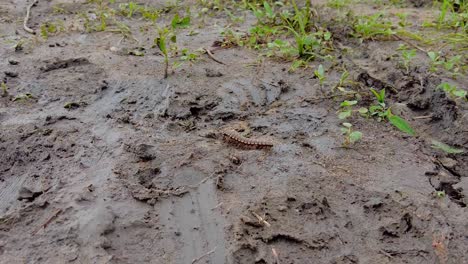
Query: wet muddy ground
[{"x": 135, "y": 169}]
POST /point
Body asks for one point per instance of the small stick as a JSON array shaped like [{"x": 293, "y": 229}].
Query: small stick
[
  {"x": 28, "y": 12},
  {"x": 410, "y": 43},
  {"x": 422, "y": 117},
  {"x": 386, "y": 254},
  {"x": 204, "y": 255},
  {"x": 217, "y": 206},
  {"x": 208, "y": 52},
  {"x": 57, "y": 212},
  {"x": 260, "y": 219},
  {"x": 275, "y": 255}
]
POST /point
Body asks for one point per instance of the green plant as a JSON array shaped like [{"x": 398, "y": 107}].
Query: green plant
[
  {"x": 50, "y": 27},
  {"x": 446, "y": 6},
  {"x": 265, "y": 15},
  {"x": 351, "y": 136},
  {"x": 446, "y": 148},
  {"x": 320, "y": 74},
  {"x": 164, "y": 36},
  {"x": 189, "y": 56},
  {"x": 281, "y": 48},
  {"x": 381, "y": 111},
  {"x": 403, "y": 19},
  {"x": 338, "y": 4},
  {"x": 233, "y": 18},
  {"x": 440, "y": 194},
  {"x": 369, "y": 27},
  {"x": 435, "y": 60},
  {"x": 407, "y": 56},
  {"x": 453, "y": 64},
  {"x": 129, "y": 9},
  {"x": 346, "y": 109},
  {"x": 180, "y": 22},
  {"x": 452, "y": 91},
  {"x": 4, "y": 88},
  {"x": 150, "y": 13}
]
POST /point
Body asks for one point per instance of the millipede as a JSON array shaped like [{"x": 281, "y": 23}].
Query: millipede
[{"x": 234, "y": 137}]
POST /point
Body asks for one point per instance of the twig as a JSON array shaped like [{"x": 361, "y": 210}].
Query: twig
[
  {"x": 28, "y": 13},
  {"x": 423, "y": 117},
  {"x": 208, "y": 52},
  {"x": 386, "y": 253},
  {"x": 217, "y": 206},
  {"x": 260, "y": 219},
  {"x": 275, "y": 255},
  {"x": 204, "y": 255},
  {"x": 411, "y": 44},
  {"x": 57, "y": 212}
]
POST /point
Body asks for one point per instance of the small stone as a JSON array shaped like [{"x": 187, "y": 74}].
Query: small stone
[
  {"x": 145, "y": 152},
  {"x": 282, "y": 208},
  {"x": 448, "y": 163},
  {"x": 13, "y": 62},
  {"x": 373, "y": 203},
  {"x": 11, "y": 74},
  {"x": 213, "y": 73},
  {"x": 27, "y": 194}
]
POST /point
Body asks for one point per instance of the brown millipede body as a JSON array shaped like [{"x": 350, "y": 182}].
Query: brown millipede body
[{"x": 236, "y": 138}]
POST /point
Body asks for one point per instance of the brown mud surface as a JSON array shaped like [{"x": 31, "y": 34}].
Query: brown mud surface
[{"x": 135, "y": 169}]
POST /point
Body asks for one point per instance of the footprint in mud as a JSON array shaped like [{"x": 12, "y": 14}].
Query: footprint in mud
[
  {"x": 241, "y": 93},
  {"x": 70, "y": 80},
  {"x": 197, "y": 226}
]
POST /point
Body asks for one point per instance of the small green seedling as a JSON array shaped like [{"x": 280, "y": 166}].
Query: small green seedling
[
  {"x": 446, "y": 148},
  {"x": 51, "y": 28},
  {"x": 320, "y": 74},
  {"x": 129, "y": 9},
  {"x": 452, "y": 91},
  {"x": 383, "y": 113},
  {"x": 180, "y": 22},
  {"x": 407, "y": 56},
  {"x": 440, "y": 194},
  {"x": 435, "y": 60},
  {"x": 453, "y": 64},
  {"x": 265, "y": 16},
  {"x": 22, "y": 97},
  {"x": 347, "y": 110},
  {"x": 403, "y": 19},
  {"x": 4, "y": 88},
  {"x": 370, "y": 27},
  {"x": 162, "y": 42},
  {"x": 351, "y": 136}
]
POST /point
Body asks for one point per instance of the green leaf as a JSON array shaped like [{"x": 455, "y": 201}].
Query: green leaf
[
  {"x": 401, "y": 124},
  {"x": 344, "y": 114},
  {"x": 348, "y": 103},
  {"x": 161, "y": 42},
  {"x": 460, "y": 93},
  {"x": 344, "y": 130},
  {"x": 363, "y": 110},
  {"x": 268, "y": 10},
  {"x": 320, "y": 72},
  {"x": 380, "y": 96},
  {"x": 355, "y": 136},
  {"x": 446, "y": 148},
  {"x": 178, "y": 22}
]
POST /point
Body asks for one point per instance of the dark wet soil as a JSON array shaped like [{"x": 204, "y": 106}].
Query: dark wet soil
[{"x": 107, "y": 162}]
